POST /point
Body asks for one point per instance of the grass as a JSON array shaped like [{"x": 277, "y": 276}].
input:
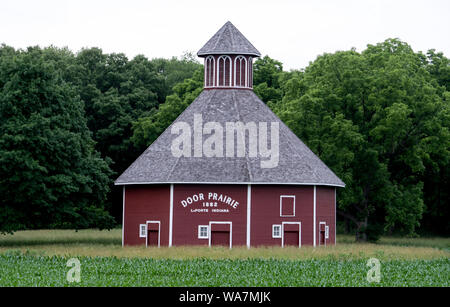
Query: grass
[
  {"x": 27, "y": 270},
  {"x": 94, "y": 243},
  {"x": 434, "y": 242},
  {"x": 61, "y": 237},
  {"x": 38, "y": 258}
]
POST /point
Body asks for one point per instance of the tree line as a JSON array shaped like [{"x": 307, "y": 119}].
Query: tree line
[{"x": 71, "y": 123}]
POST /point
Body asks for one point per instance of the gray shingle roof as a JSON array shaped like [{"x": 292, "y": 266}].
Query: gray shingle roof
[
  {"x": 297, "y": 163},
  {"x": 228, "y": 40}
]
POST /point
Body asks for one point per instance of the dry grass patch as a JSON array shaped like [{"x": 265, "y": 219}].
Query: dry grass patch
[
  {"x": 94, "y": 243},
  {"x": 340, "y": 252}
]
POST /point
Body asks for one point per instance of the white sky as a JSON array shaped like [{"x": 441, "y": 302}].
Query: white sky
[{"x": 293, "y": 32}]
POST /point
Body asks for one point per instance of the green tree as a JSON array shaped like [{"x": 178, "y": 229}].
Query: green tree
[
  {"x": 266, "y": 79},
  {"x": 376, "y": 118},
  {"x": 175, "y": 70},
  {"x": 50, "y": 174},
  {"x": 148, "y": 128}
]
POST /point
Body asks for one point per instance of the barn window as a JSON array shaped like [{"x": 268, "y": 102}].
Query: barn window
[
  {"x": 240, "y": 69},
  {"x": 224, "y": 71},
  {"x": 276, "y": 231},
  {"x": 209, "y": 71},
  {"x": 203, "y": 232},
  {"x": 142, "y": 230},
  {"x": 287, "y": 205}
]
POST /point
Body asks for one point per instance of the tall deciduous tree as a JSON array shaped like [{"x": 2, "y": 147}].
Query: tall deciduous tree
[
  {"x": 377, "y": 118},
  {"x": 267, "y": 73},
  {"x": 117, "y": 92},
  {"x": 148, "y": 128},
  {"x": 50, "y": 173}
]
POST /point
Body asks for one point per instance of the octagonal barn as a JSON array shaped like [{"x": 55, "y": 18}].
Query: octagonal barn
[{"x": 227, "y": 171}]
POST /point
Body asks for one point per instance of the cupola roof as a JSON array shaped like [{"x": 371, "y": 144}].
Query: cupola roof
[{"x": 228, "y": 40}]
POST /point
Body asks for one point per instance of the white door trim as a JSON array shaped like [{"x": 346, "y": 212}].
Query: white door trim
[
  {"x": 320, "y": 236},
  {"x": 159, "y": 232},
  {"x": 123, "y": 214},
  {"x": 314, "y": 218}
]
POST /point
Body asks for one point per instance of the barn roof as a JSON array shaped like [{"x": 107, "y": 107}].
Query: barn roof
[
  {"x": 297, "y": 163},
  {"x": 228, "y": 40}
]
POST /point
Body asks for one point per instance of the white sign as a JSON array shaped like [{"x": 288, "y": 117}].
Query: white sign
[{"x": 326, "y": 232}]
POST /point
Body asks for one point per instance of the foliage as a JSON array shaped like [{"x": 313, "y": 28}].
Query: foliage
[
  {"x": 378, "y": 119},
  {"x": 50, "y": 173},
  {"x": 113, "y": 93},
  {"x": 118, "y": 91},
  {"x": 266, "y": 79},
  {"x": 148, "y": 128},
  {"x": 176, "y": 70},
  {"x": 18, "y": 269}
]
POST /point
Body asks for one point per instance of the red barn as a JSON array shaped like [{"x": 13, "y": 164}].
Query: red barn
[{"x": 228, "y": 171}]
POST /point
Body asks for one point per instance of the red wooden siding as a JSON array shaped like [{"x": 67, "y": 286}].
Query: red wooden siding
[
  {"x": 152, "y": 203},
  {"x": 186, "y": 222},
  {"x": 291, "y": 237},
  {"x": 266, "y": 212},
  {"x": 146, "y": 203},
  {"x": 325, "y": 211}
]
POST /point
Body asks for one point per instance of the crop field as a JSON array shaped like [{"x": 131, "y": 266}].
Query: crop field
[{"x": 39, "y": 258}]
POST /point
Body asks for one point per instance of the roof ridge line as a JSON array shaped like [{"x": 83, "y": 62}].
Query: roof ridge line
[
  {"x": 148, "y": 147},
  {"x": 232, "y": 34},
  {"x": 220, "y": 36},
  {"x": 250, "y": 175}
]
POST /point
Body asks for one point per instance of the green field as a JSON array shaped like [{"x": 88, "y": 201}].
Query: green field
[{"x": 39, "y": 258}]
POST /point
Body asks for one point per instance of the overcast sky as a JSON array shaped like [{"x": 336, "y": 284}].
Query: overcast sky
[{"x": 293, "y": 32}]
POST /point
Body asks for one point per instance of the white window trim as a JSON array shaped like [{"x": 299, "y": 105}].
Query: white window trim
[
  {"x": 199, "y": 232},
  {"x": 224, "y": 57},
  {"x": 140, "y": 230},
  {"x": 250, "y": 73},
  {"x": 213, "y": 66},
  {"x": 299, "y": 232},
  {"x": 159, "y": 232},
  {"x": 240, "y": 57},
  {"x": 281, "y": 205},
  {"x": 209, "y": 231},
  {"x": 279, "y": 231}
]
